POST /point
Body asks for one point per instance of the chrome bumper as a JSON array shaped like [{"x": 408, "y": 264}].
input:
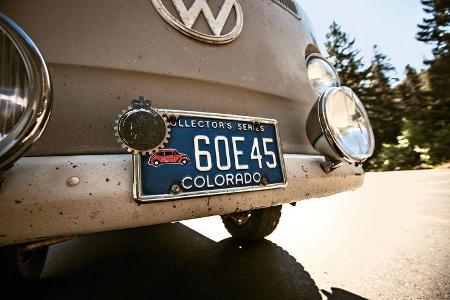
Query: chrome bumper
[{"x": 38, "y": 201}]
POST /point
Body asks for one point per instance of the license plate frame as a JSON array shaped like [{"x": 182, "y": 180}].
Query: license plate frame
[{"x": 140, "y": 197}]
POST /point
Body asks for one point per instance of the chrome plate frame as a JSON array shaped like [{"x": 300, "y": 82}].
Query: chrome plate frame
[{"x": 137, "y": 180}]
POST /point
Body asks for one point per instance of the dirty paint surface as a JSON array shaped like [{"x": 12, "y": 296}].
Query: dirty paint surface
[{"x": 36, "y": 202}]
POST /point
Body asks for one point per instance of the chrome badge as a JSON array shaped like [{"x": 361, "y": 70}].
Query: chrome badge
[
  {"x": 187, "y": 17},
  {"x": 141, "y": 128}
]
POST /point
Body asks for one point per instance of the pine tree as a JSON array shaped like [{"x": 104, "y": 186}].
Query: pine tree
[
  {"x": 415, "y": 99},
  {"x": 412, "y": 146},
  {"x": 435, "y": 30},
  {"x": 414, "y": 105},
  {"x": 382, "y": 104},
  {"x": 345, "y": 58}
]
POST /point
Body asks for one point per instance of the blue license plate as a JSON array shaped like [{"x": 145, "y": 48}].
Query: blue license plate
[{"x": 210, "y": 154}]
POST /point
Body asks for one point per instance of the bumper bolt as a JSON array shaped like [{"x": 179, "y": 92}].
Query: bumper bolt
[{"x": 73, "y": 181}]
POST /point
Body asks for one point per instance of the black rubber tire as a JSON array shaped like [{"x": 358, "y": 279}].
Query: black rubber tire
[
  {"x": 260, "y": 224},
  {"x": 18, "y": 265}
]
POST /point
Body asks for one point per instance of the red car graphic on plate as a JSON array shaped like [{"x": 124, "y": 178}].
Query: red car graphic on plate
[{"x": 168, "y": 156}]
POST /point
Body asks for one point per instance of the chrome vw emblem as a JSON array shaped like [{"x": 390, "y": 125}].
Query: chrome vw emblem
[{"x": 188, "y": 17}]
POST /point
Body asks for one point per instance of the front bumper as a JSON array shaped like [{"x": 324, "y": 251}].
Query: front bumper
[{"x": 36, "y": 201}]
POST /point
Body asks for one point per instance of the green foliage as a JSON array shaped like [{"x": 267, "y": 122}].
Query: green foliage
[
  {"x": 416, "y": 106},
  {"x": 410, "y": 120},
  {"x": 435, "y": 30},
  {"x": 373, "y": 85},
  {"x": 381, "y": 101},
  {"x": 402, "y": 155},
  {"x": 346, "y": 59}
]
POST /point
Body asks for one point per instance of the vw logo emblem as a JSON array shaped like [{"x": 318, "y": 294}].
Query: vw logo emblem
[{"x": 187, "y": 17}]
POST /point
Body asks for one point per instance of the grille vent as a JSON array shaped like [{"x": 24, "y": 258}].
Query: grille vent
[{"x": 288, "y": 5}]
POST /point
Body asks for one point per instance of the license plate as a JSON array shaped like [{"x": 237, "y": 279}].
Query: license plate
[{"x": 209, "y": 154}]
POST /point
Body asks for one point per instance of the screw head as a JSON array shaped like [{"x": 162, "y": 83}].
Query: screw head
[
  {"x": 172, "y": 119},
  {"x": 175, "y": 189},
  {"x": 264, "y": 181}
]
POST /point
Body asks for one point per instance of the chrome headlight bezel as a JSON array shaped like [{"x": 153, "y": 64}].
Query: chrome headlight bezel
[
  {"x": 321, "y": 135},
  {"x": 36, "y": 114},
  {"x": 309, "y": 59}
]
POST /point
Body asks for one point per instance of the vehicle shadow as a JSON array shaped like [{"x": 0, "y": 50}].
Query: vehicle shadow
[
  {"x": 340, "y": 294},
  {"x": 170, "y": 261}
]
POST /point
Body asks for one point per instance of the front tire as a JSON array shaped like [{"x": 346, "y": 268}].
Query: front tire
[
  {"x": 252, "y": 225},
  {"x": 18, "y": 264}
]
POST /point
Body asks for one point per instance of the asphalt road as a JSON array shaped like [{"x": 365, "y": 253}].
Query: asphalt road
[{"x": 388, "y": 240}]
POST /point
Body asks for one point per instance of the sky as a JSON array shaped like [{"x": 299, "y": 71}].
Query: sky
[{"x": 390, "y": 24}]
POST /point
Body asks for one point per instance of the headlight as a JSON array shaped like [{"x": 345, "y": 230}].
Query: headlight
[
  {"x": 338, "y": 126},
  {"x": 25, "y": 92},
  {"x": 321, "y": 73}
]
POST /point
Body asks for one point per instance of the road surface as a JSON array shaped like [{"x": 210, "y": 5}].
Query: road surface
[{"x": 389, "y": 239}]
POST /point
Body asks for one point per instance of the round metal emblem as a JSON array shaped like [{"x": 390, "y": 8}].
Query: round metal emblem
[
  {"x": 186, "y": 19},
  {"x": 141, "y": 128}
]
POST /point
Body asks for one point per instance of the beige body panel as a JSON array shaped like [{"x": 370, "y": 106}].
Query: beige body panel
[{"x": 103, "y": 53}]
